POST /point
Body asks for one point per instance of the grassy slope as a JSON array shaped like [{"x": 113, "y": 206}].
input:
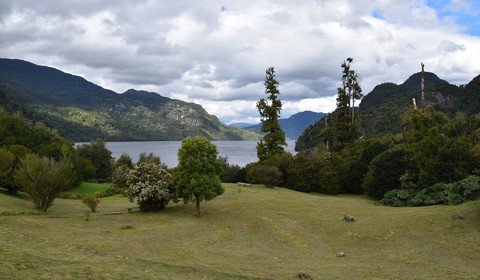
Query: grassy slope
[
  {"x": 255, "y": 232},
  {"x": 91, "y": 188}
]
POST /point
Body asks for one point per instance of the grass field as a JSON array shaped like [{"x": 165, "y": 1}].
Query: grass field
[
  {"x": 247, "y": 233},
  {"x": 91, "y": 188}
]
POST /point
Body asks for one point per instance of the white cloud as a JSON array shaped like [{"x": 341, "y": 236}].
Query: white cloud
[{"x": 216, "y": 52}]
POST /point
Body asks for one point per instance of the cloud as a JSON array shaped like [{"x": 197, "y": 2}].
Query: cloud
[{"x": 216, "y": 52}]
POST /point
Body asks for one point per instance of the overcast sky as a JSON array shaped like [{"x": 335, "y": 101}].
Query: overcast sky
[{"x": 215, "y": 53}]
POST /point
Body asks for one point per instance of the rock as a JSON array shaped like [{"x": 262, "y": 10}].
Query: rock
[
  {"x": 349, "y": 218},
  {"x": 304, "y": 275},
  {"x": 457, "y": 217}
]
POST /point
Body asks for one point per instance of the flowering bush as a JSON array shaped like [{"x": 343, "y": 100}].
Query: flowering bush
[
  {"x": 151, "y": 185},
  {"x": 120, "y": 176}
]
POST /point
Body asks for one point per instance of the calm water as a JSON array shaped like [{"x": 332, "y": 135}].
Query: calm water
[{"x": 238, "y": 152}]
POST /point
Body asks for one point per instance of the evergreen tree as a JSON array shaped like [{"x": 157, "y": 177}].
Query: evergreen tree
[
  {"x": 273, "y": 141},
  {"x": 346, "y": 127}
]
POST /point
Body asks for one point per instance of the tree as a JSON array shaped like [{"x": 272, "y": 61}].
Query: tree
[
  {"x": 7, "y": 165},
  {"x": 91, "y": 201},
  {"x": 346, "y": 128},
  {"x": 43, "y": 178},
  {"x": 197, "y": 176},
  {"x": 120, "y": 176},
  {"x": 150, "y": 158},
  {"x": 124, "y": 159},
  {"x": 151, "y": 185},
  {"x": 386, "y": 170},
  {"x": 273, "y": 141},
  {"x": 97, "y": 152}
]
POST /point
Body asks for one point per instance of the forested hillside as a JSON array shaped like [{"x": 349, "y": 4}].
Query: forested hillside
[
  {"x": 382, "y": 111},
  {"x": 82, "y": 111}
]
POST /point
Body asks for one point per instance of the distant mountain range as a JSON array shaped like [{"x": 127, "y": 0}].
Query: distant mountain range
[
  {"x": 383, "y": 109},
  {"x": 82, "y": 111},
  {"x": 292, "y": 126}
]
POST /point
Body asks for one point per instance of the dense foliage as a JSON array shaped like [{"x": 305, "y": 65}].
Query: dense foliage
[
  {"x": 20, "y": 137},
  {"x": 197, "y": 176},
  {"x": 441, "y": 193},
  {"x": 101, "y": 158}
]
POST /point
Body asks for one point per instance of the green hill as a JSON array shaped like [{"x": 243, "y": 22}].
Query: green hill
[
  {"x": 246, "y": 233},
  {"x": 82, "y": 111},
  {"x": 383, "y": 109}
]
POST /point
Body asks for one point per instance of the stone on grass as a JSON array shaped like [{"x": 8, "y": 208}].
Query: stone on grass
[
  {"x": 349, "y": 218},
  {"x": 458, "y": 217}
]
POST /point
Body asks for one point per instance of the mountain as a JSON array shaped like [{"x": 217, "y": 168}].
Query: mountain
[
  {"x": 82, "y": 111},
  {"x": 241, "y": 124},
  {"x": 383, "y": 109},
  {"x": 294, "y": 125}
]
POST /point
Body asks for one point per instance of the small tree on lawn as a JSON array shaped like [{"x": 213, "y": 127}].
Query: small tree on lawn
[
  {"x": 197, "y": 176},
  {"x": 91, "y": 201},
  {"x": 151, "y": 185},
  {"x": 43, "y": 178}
]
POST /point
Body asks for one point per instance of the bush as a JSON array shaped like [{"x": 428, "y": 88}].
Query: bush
[
  {"x": 466, "y": 189},
  {"x": 151, "y": 185},
  {"x": 441, "y": 193},
  {"x": 316, "y": 171},
  {"x": 268, "y": 175},
  {"x": 120, "y": 177},
  {"x": 232, "y": 173},
  {"x": 43, "y": 178},
  {"x": 91, "y": 201},
  {"x": 110, "y": 192},
  {"x": 385, "y": 172},
  {"x": 69, "y": 195}
]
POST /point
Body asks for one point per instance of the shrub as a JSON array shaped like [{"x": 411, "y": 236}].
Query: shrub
[
  {"x": 120, "y": 176},
  {"x": 91, "y": 201},
  {"x": 265, "y": 174},
  {"x": 316, "y": 171},
  {"x": 43, "y": 178},
  {"x": 385, "y": 172},
  {"x": 110, "y": 192},
  {"x": 441, "y": 193},
  {"x": 231, "y": 172},
  {"x": 151, "y": 185}
]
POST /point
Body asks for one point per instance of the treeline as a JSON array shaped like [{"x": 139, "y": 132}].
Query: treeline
[
  {"x": 38, "y": 161},
  {"x": 427, "y": 164}
]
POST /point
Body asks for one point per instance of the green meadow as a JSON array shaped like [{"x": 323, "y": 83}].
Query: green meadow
[{"x": 246, "y": 233}]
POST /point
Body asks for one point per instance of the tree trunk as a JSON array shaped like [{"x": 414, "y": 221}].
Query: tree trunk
[{"x": 197, "y": 205}]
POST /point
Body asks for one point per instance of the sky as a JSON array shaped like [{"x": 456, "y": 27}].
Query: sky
[{"x": 215, "y": 53}]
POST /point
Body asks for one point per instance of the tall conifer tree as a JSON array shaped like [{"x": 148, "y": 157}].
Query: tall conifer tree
[{"x": 273, "y": 141}]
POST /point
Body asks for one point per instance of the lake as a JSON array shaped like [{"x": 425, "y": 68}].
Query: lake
[{"x": 238, "y": 152}]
